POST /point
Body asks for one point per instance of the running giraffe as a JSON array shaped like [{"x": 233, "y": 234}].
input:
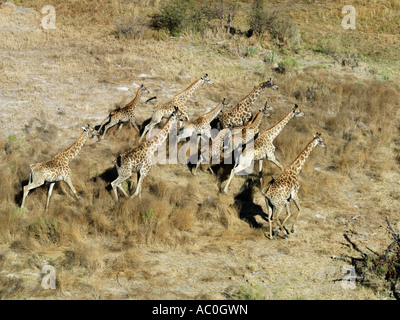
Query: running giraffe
[
  {"x": 263, "y": 147},
  {"x": 201, "y": 125},
  {"x": 122, "y": 115},
  {"x": 57, "y": 168},
  {"x": 279, "y": 192},
  {"x": 240, "y": 114},
  {"x": 164, "y": 110},
  {"x": 251, "y": 129},
  {"x": 140, "y": 159},
  {"x": 246, "y": 132}
]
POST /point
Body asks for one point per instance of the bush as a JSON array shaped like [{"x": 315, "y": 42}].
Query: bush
[
  {"x": 259, "y": 17},
  {"x": 177, "y": 16},
  {"x": 288, "y": 65},
  {"x": 280, "y": 28}
]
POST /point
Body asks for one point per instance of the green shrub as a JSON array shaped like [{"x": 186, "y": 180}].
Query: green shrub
[
  {"x": 45, "y": 229},
  {"x": 177, "y": 16},
  {"x": 261, "y": 20},
  {"x": 288, "y": 65},
  {"x": 247, "y": 292},
  {"x": 148, "y": 215},
  {"x": 272, "y": 57}
]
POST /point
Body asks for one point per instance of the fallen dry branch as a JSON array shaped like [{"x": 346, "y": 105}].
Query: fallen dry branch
[{"x": 371, "y": 269}]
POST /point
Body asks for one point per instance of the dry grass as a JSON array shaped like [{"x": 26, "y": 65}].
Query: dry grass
[{"x": 183, "y": 238}]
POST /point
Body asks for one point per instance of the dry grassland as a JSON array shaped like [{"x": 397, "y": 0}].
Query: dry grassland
[{"x": 183, "y": 239}]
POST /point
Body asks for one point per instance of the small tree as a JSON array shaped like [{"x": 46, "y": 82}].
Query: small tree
[
  {"x": 257, "y": 16},
  {"x": 174, "y": 15}
]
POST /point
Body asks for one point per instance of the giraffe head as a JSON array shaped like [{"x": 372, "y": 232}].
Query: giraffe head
[
  {"x": 265, "y": 109},
  {"x": 177, "y": 114},
  {"x": 319, "y": 140},
  {"x": 90, "y": 131},
  {"x": 143, "y": 89},
  {"x": 192, "y": 126},
  {"x": 297, "y": 112},
  {"x": 269, "y": 84},
  {"x": 205, "y": 79}
]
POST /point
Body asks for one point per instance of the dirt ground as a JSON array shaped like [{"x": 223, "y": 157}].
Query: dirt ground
[{"x": 54, "y": 82}]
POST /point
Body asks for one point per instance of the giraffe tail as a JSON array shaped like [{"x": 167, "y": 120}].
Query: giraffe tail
[
  {"x": 118, "y": 160},
  {"x": 31, "y": 174},
  {"x": 265, "y": 189},
  {"x": 149, "y": 99}
]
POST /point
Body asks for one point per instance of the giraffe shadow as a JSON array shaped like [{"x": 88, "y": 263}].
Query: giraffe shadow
[
  {"x": 107, "y": 176},
  {"x": 215, "y": 124},
  {"x": 143, "y": 125},
  {"x": 248, "y": 210},
  {"x": 18, "y": 197}
]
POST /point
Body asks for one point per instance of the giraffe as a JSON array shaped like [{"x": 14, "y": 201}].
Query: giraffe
[
  {"x": 212, "y": 150},
  {"x": 251, "y": 129},
  {"x": 279, "y": 192},
  {"x": 240, "y": 114},
  {"x": 201, "y": 125},
  {"x": 164, "y": 110},
  {"x": 140, "y": 159},
  {"x": 122, "y": 115},
  {"x": 57, "y": 168},
  {"x": 263, "y": 147},
  {"x": 247, "y": 133}
]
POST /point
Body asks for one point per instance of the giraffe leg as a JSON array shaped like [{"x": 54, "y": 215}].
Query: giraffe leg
[
  {"x": 49, "y": 194},
  {"x": 120, "y": 187},
  {"x": 260, "y": 166},
  {"x": 102, "y": 125},
  {"x": 271, "y": 157},
  {"x": 286, "y": 218},
  {"x": 28, "y": 187},
  {"x": 148, "y": 128},
  {"x": 241, "y": 165},
  {"x": 270, "y": 213},
  {"x": 279, "y": 210},
  {"x": 117, "y": 183},
  {"x": 135, "y": 125},
  {"x": 233, "y": 172},
  {"x": 112, "y": 123},
  {"x": 296, "y": 202},
  {"x": 155, "y": 119},
  {"x": 194, "y": 171},
  {"x": 141, "y": 175},
  {"x": 69, "y": 183}
]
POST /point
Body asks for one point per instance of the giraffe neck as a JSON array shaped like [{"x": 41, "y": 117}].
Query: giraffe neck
[
  {"x": 187, "y": 93},
  {"x": 296, "y": 166},
  {"x": 276, "y": 129},
  {"x": 135, "y": 99},
  {"x": 74, "y": 149},
  {"x": 250, "y": 98},
  {"x": 212, "y": 114},
  {"x": 159, "y": 139},
  {"x": 257, "y": 120}
]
